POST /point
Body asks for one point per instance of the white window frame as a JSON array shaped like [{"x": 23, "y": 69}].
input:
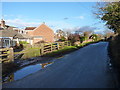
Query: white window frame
[{"x": 5, "y": 45}]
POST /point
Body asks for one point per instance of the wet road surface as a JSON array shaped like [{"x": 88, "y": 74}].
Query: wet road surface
[{"x": 84, "y": 68}]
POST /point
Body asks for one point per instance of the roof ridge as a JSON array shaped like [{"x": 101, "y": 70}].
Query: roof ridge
[{"x": 46, "y": 26}]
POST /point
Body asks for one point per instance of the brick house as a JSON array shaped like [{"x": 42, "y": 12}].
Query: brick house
[{"x": 40, "y": 33}]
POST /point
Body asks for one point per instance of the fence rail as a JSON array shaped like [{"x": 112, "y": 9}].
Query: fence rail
[
  {"x": 6, "y": 55},
  {"x": 47, "y": 48}
]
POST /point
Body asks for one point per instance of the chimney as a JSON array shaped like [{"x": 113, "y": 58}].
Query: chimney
[
  {"x": 43, "y": 22},
  {"x": 2, "y": 23}
]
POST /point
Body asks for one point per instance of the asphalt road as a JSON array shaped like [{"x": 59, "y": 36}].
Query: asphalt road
[{"x": 84, "y": 68}]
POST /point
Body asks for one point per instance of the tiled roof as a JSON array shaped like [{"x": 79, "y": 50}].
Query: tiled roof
[
  {"x": 30, "y": 28},
  {"x": 37, "y": 36},
  {"x": 44, "y": 27},
  {"x": 12, "y": 33}
]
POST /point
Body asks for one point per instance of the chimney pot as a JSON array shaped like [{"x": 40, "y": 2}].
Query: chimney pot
[{"x": 2, "y": 23}]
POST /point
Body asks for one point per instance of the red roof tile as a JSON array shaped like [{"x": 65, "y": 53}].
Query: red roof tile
[{"x": 30, "y": 28}]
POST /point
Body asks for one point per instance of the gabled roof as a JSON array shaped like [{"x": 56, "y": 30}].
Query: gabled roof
[
  {"x": 30, "y": 28},
  {"x": 43, "y": 27}
]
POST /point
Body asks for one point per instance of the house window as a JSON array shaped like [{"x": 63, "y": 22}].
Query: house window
[
  {"x": 6, "y": 43},
  {"x": 0, "y": 42}
]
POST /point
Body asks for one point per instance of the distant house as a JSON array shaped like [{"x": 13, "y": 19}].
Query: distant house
[
  {"x": 7, "y": 27},
  {"x": 10, "y": 37},
  {"x": 6, "y": 38},
  {"x": 40, "y": 33},
  {"x": 21, "y": 31}
]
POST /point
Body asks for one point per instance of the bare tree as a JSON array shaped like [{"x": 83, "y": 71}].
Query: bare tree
[{"x": 87, "y": 34}]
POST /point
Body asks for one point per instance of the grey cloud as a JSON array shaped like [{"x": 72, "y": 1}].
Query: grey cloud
[
  {"x": 66, "y": 18},
  {"x": 87, "y": 28},
  {"x": 81, "y": 29}
]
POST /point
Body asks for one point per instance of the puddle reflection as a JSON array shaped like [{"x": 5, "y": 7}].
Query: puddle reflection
[
  {"x": 45, "y": 64},
  {"x": 25, "y": 72}
]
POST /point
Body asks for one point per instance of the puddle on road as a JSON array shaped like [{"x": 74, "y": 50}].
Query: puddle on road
[{"x": 25, "y": 72}]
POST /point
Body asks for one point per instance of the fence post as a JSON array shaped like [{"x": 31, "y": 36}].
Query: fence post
[
  {"x": 62, "y": 45},
  {"x": 67, "y": 43},
  {"x": 51, "y": 47},
  {"x": 58, "y": 45},
  {"x": 42, "y": 49},
  {"x": 11, "y": 55}
]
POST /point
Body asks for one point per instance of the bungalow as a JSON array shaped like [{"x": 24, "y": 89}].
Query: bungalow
[
  {"x": 6, "y": 38},
  {"x": 9, "y": 38},
  {"x": 40, "y": 33}
]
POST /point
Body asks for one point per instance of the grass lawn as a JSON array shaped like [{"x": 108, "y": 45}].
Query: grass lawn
[
  {"x": 29, "y": 53},
  {"x": 61, "y": 52},
  {"x": 35, "y": 51}
]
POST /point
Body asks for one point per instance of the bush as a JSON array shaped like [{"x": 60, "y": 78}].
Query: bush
[
  {"x": 23, "y": 42},
  {"x": 114, "y": 51},
  {"x": 8, "y": 68},
  {"x": 73, "y": 38},
  {"x": 94, "y": 37},
  {"x": 82, "y": 38},
  {"x": 62, "y": 38},
  {"x": 18, "y": 47}
]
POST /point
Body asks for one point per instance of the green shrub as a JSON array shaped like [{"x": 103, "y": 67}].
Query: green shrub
[
  {"x": 94, "y": 37},
  {"x": 62, "y": 38},
  {"x": 23, "y": 42},
  {"x": 82, "y": 38}
]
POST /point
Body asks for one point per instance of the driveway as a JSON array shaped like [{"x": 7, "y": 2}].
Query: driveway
[{"x": 84, "y": 68}]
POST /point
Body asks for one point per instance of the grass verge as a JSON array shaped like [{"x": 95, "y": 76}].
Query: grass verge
[
  {"x": 61, "y": 52},
  {"x": 67, "y": 50}
]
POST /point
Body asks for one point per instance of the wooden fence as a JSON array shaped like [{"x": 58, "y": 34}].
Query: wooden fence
[
  {"x": 6, "y": 55},
  {"x": 47, "y": 48}
]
